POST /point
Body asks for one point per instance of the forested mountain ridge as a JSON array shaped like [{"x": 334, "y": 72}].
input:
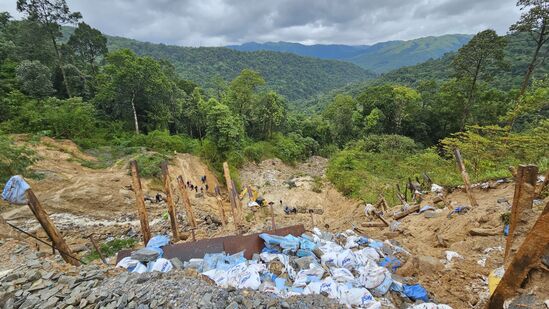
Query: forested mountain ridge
[
  {"x": 379, "y": 58},
  {"x": 517, "y": 55},
  {"x": 293, "y": 76}
]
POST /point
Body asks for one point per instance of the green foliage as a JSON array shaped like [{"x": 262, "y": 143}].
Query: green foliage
[
  {"x": 14, "y": 159},
  {"x": 292, "y": 76},
  {"x": 223, "y": 127},
  {"x": 35, "y": 78},
  {"x": 149, "y": 164},
  {"x": 111, "y": 248},
  {"x": 162, "y": 141}
]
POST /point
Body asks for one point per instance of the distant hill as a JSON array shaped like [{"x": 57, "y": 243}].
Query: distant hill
[
  {"x": 518, "y": 53},
  {"x": 379, "y": 58},
  {"x": 293, "y": 76}
]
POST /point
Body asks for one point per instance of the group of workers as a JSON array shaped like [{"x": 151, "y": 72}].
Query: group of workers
[{"x": 194, "y": 187}]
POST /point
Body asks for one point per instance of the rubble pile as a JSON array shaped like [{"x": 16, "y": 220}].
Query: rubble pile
[{"x": 352, "y": 269}]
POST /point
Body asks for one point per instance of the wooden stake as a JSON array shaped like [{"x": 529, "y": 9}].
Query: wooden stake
[
  {"x": 48, "y": 226},
  {"x": 525, "y": 186},
  {"x": 385, "y": 205},
  {"x": 169, "y": 200},
  {"x": 220, "y": 204},
  {"x": 403, "y": 214},
  {"x": 528, "y": 256},
  {"x": 186, "y": 202},
  {"x": 99, "y": 251},
  {"x": 399, "y": 195},
  {"x": 273, "y": 224},
  {"x": 465, "y": 176},
  {"x": 230, "y": 190},
  {"x": 140, "y": 202},
  {"x": 381, "y": 218}
]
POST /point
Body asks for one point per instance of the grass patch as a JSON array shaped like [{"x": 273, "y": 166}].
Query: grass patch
[{"x": 110, "y": 248}]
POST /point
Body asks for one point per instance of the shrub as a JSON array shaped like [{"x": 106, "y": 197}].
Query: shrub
[
  {"x": 14, "y": 160},
  {"x": 149, "y": 164}
]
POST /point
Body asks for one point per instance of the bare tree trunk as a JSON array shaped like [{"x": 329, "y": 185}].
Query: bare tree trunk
[
  {"x": 532, "y": 65},
  {"x": 136, "y": 123},
  {"x": 467, "y": 108},
  {"x": 60, "y": 63}
]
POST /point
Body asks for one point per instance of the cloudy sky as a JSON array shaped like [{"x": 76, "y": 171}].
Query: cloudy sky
[{"x": 222, "y": 22}]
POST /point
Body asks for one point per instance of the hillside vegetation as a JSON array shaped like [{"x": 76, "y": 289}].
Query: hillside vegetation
[
  {"x": 134, "y": 100},
  {"x": 293, "y": 76},
  {"x": 379, "y": 58}
]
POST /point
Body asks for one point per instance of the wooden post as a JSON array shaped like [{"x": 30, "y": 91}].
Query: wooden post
[
  {"x": 528, "y": 256},
  {"x": 186, "y": 202},
  {"x": 273, "y": 224},
  {"x": 403, "y": 214},
  {"x": 230, "y": 190},
  {"x": 311, "y": 213},
  {"x": 399, "y": 195},
  {"x": 385, "y": 206},
  {"x": 465, "y": 176},
  {"x": 99, "y": 251},
  {"x": 220, "y": 204},
  {"x": 381, "y": 218},
  {"x": 51, "y": 230},
  {"x": 140, "y": 202},
  {"x": 169, "y": 200},
  {"x": 525, "y": 186}
]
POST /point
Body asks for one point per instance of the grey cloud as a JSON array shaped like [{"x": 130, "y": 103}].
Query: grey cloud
[{"x": 221, "y": 22}]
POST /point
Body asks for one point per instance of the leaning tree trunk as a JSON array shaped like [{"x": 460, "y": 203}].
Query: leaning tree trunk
[
  {"x": 529, "y": 72},
  {"x": 60, "y": 63},
  {"x": 136, "y": 123},
  {"x": 470, "y": 97}
]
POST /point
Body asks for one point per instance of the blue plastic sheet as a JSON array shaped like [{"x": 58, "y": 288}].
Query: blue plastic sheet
[
  {"x": 391, "y": 263},
  {"x": 287, "y": 243},
  {"x": 362, "y": 240},
  {"x": 222, "y": 261},
  {"x": 157, "y": 242},
  {"x": 415, "y": 292},
  {"x": 506, "y": 230},
  {"x": 375, "y": 244},
  {"x": 15, "y": 189}
]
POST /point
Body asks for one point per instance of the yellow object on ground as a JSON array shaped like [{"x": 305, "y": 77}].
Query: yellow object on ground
[{"x": 494, "y": 278}]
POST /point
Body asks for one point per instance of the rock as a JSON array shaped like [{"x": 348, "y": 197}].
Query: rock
[
  {"x": 232, "y": 305},
  {"x": 79, "y": 248},
  {"x": 206, "y": 301},
  {"x": 122, "y": 301},
  {"x": 177, "y": 264},
  {"x": 429, "y": 264},
  {"x": 50, "y": 303},
  {"x": 33, "y": 275},
  {"x": 145, "y": 255},
  {"x": 485, "y": 232},
  {"x": 284, "y": 305}
]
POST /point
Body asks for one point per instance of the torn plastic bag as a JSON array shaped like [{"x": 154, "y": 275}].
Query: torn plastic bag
[
  {"x": 352, "y": 242},
  {"x": 287, "y": 243},
  {"x": 436, "y": 188},
  {"x": 161, "y": 265},
  {"x": 342, "y": 275},
  {"x": 306, "y": 244},
  {"x": 14, "y": 191},
  {"x": 450, "y": 255},
  {"x": 357, "y": 297},
  {"x": 426, "y": 208},
  {"x": 220, "y": 277},
  {"x": 415, "y": 292},
  {"x": 195, "y": 264}
]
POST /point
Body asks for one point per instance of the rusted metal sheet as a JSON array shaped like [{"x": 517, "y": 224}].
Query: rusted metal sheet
[{"x": 250, "y": 244}]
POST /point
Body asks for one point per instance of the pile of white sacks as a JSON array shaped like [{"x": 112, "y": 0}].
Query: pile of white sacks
[{"x": 344, "y": 266}]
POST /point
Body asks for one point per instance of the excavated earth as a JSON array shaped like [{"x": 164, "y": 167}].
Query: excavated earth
[{"x": 82, "y": 201}]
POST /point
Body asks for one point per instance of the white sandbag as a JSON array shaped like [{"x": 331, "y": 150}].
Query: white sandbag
[
  {"x": 346, "y": 259},
  {"x": 372, "y": 275},
  {"x": 362, "y": 256},
  {"x": 306, "y": 276},
  {"x": 358, "y": 297},
  {"x": 161, "y": 265},
  {"x": 219, "y": 276},
  {"x": 342, "y": 275}
]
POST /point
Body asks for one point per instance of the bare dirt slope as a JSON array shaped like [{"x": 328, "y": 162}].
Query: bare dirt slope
[{"x": 82, "y": 201}]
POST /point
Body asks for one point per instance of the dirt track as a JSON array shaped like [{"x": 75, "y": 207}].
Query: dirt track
[{"x": 83, "y": 200}]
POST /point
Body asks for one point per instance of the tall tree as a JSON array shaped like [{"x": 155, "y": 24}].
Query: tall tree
[
  {"x": 51, "y": 14},
  {"x": 241, "y": 94},
  {"x": 223, "y": 127},
  {"x": 340, "y": 117},
  {"x": 136, "y": 88},
  {"x": 88, "y": 44},
  {"x": 268, "y": 114},
  {"x": 485, "y": 49},
  {"x": 35, "y": 79},
  {"x": 535, "y": 21}
]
